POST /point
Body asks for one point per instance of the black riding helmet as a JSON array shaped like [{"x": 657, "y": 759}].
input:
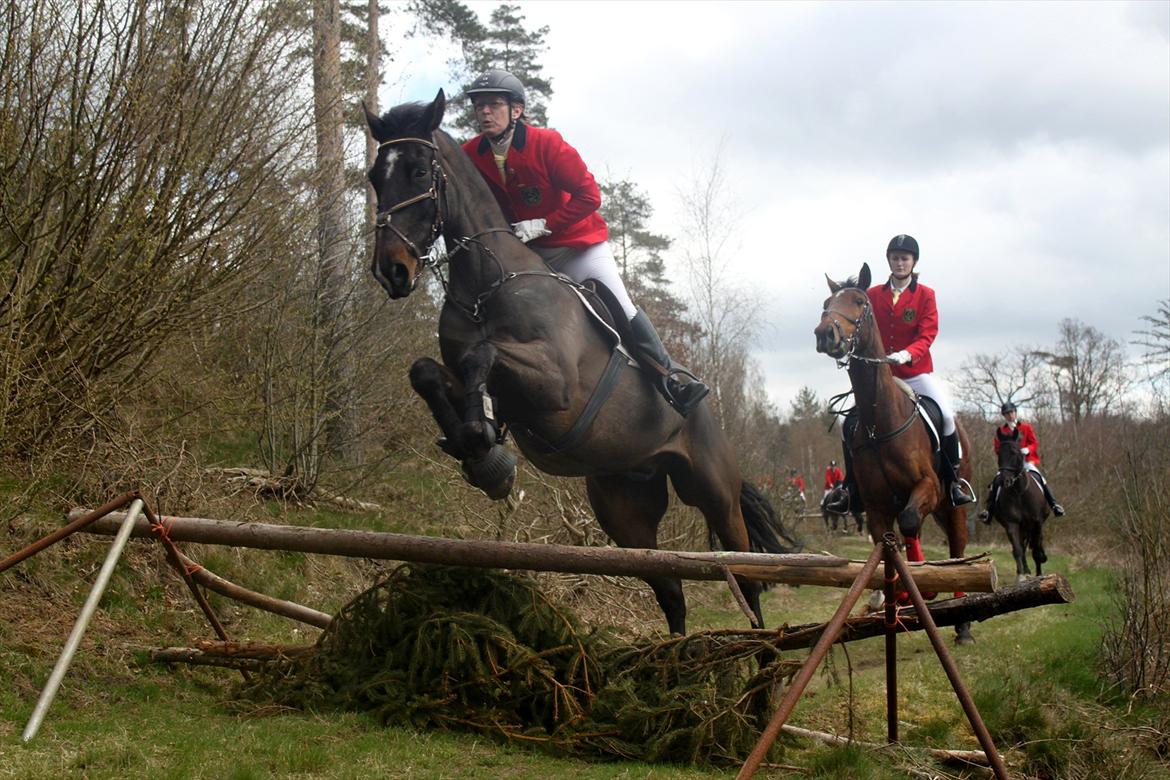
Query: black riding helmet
[
  {"x": 498, "y": 82},
  {"x": 903, "y": 243},
  {"x": 1008, "y": 406}
]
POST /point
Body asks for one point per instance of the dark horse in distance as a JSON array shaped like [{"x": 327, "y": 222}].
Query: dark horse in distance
[
  {"x": 1020, "y": 506},
  {"x": 521, "y": 352},
  {"x": 893, "y": 455}
]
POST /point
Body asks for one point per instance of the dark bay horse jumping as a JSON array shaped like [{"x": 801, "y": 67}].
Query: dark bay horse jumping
[
  {"x": 1020, "y": 507},
  {"x": 893, "y": 456},
  {"x": 522, "y": 353}
]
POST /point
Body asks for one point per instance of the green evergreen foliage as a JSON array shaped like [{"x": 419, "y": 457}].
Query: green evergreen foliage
[
  {"x": 504, "y": 42},
  {"x": 473, "y": 650}
]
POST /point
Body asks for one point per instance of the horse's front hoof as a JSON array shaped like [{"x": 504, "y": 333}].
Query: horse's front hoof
[
  {"x": 494, "y": 473},
  {"x": 963, "y": 635}
]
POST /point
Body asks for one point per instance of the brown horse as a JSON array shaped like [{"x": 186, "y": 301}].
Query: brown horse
[
  {"x": 893, "y": 456},
  {"x": 1020, "y": 506},
  {"x": 522, "y": 353}
]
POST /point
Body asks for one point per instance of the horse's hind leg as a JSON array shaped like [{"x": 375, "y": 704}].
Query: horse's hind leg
[
  {"x": 954, "y": 524},
  {"x": 629, "y": 511},
  {"x": 715, "y": 492}
]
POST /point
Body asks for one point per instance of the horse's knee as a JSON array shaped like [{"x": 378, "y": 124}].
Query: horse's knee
[
  {"x": 909, "y": 521},
  {"x": 426, "y": 375}
]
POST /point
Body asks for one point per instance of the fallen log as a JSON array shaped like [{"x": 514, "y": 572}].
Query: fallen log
[
  {"x": 1036, "y": 592},
  {"x": 974, "y": 575},
  {"x": 230, "y": 655},
  {"x": 964, "y": 756},
  {"x": 288, "y": 609}
]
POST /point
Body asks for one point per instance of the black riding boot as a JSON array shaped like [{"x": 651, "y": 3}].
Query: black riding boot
[
  {"x": 1057, "y": 509},
  {"x": 650, "y": 350},
  {"x": 960, "y": 489},
  {"x": 845, "y": 497}
]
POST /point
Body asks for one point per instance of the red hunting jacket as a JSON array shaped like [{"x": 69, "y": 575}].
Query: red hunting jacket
[
  {"x": 1027, "y": 438},
  {"x": 547, "y": 179},
  {"x": 910, "y": 324},
  {"x": 833, "y": 475}
]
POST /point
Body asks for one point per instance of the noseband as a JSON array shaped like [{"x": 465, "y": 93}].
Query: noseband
[
  {"x": 434, "y": 192},
  {"x": 854, "y": 338}
]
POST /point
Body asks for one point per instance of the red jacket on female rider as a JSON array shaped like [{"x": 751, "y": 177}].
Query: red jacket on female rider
[
  {"x": 546, "y": 179},
  {"x": 1029, "y": 444},
  {"x": 910, "y": 324}
]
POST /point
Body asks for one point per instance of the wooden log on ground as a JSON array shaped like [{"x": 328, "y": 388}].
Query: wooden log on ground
[
  {"x": 976, "y": 575},
  {"x": 230, "y": 655},
  {"x": 241, "y": 594},
  {"x": 966, "y": 756}
]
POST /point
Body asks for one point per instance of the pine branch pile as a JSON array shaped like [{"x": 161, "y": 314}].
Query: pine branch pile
[{"x": 474, "y": 650}]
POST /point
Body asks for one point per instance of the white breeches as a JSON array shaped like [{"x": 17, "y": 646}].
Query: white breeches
[
  {"x": 926, "y": 384},
  {"x": 592, "y": 262}
]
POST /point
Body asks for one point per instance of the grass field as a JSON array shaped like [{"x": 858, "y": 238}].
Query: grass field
[{"x": 1034, "y": 675}]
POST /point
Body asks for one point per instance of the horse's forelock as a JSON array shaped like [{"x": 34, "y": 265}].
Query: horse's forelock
[
  {"x": 851, "y": 283},
  {"x": 404, "y": 119}
]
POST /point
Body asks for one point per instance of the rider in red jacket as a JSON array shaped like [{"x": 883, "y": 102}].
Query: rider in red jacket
[
  {"x": 907, "y": 318},
  {"x": 552, "y": 201},
  {"x": 1023, "y": 433},
  {"x": 834, "y": 476}
]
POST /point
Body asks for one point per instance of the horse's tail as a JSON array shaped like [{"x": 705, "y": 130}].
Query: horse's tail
[{"x": 765, "y": 531}]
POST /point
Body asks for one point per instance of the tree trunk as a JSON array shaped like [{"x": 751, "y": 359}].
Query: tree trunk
[{"x": 331, "y": 387}]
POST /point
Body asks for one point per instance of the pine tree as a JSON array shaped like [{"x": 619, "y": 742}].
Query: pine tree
[{"x": 638, "y": 252}]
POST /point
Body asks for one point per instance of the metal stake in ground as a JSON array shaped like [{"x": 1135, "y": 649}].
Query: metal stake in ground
[
  {"x": 944, "y": 656},
  {"x": 91, "y": 604},
  {"x": 891, "y": 626},
  {"x": 800, "y": 682}
]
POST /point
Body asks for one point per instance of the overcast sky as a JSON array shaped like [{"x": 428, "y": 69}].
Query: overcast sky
[{"x": 1025, "y": 145}]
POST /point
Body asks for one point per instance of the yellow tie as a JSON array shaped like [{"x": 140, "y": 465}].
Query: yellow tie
[{"x": 897, "y": 294}]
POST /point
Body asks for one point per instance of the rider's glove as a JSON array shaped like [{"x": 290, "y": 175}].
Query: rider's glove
[
  {"x": 901, "y": 357},
  {"x": 530, "y": 229},
  {"x": 1024, "y": 450}
]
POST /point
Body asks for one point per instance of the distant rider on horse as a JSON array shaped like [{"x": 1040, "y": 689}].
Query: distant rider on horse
[
  {"x": 552, "y": 201},
  {"x": 1022, "y": 432},
  {"x": 907, "y": 319},
  {"x": 834, "y": 476}
]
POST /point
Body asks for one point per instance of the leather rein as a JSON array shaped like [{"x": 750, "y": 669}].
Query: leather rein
[
  {"x": 430, "y": 259},
  {"x": 850, "y": 354}
]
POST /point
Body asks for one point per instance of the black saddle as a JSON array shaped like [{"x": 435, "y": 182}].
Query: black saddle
[{"x": 930, "y": 416}]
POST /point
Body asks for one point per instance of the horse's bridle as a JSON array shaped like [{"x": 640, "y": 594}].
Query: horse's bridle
[
  {"x": 854, "y": 338},
  {"x": 435, "y": 192}
]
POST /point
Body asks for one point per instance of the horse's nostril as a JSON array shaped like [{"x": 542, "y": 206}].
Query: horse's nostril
[{"x": 399, "y": 276}]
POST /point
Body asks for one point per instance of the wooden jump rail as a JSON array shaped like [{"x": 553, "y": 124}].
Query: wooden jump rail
[{"x": 971, "y": 575}]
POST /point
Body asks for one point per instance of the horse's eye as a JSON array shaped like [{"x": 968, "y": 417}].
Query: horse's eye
[{"x": 420, "y": 173}]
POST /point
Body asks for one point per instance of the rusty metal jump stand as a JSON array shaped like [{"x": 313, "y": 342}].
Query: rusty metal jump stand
[{"x": 895, "y": 570}]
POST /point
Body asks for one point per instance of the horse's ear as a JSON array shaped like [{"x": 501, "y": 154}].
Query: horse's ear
[
  {"x": 433, "y": 116},
  {"x": 377, "y": 129},
  {"x": 863, "y": 278},
  {"x": 833, "y": 286}
]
